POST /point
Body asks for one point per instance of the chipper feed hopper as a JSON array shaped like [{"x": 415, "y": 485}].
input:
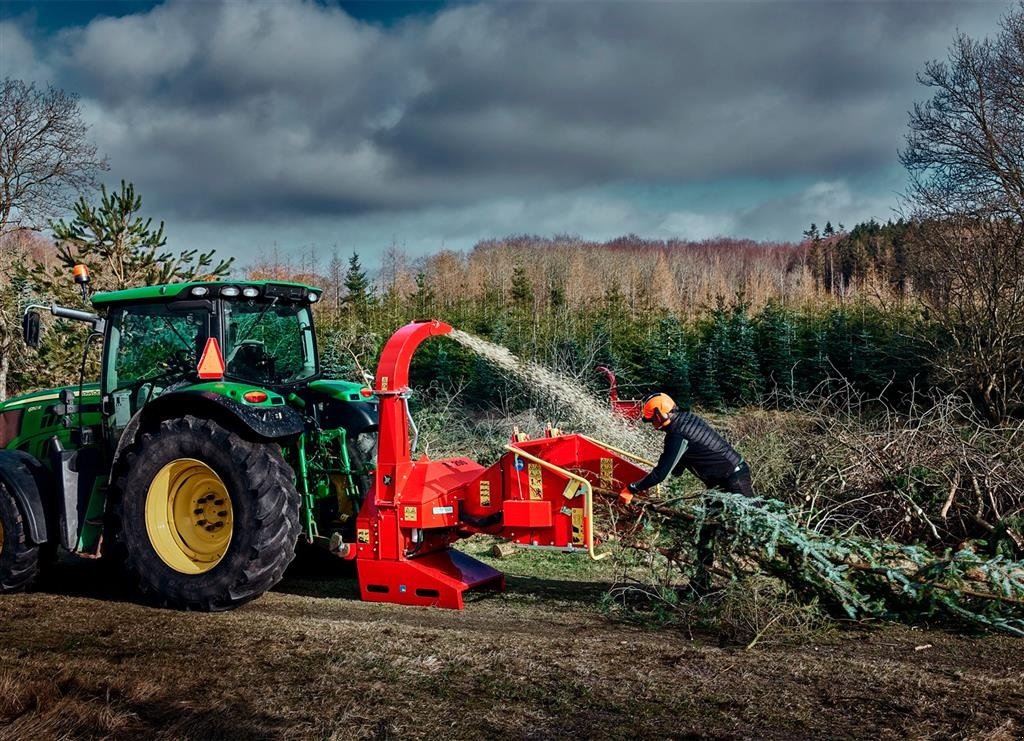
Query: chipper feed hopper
[
  {"x": 539, "y": 493},
  {"x": 211, "y": 446}
]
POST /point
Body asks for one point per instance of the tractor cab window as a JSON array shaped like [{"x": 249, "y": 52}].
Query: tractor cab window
[
  {"x": 269, "y": 343},
  {"x": 152, "y": 347}
]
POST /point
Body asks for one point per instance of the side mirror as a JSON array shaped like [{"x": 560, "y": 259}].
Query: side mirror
[{"x": 30, "y": 328}]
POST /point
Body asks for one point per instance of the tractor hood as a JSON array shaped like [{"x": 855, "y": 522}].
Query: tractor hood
[{"x": 90, "y": 391}]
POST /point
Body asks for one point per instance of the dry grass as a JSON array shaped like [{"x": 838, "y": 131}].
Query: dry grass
[
  {"x": 759, "y": 610},
  {"x": 309, "y": 661}
]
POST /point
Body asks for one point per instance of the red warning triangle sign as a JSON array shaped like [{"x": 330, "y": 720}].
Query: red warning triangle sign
[{"x": 211, "y": 364}]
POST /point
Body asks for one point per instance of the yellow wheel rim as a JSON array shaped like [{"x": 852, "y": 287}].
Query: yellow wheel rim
[{"x": 189, "y": 516}]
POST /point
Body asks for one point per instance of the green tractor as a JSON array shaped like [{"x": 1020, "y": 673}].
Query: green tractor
[{"x": 210, "y": 446}]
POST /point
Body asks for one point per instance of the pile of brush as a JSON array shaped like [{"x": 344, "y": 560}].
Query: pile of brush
[
  {"x": 929, "y": 472},
  {"x": 856, "y": 577}
]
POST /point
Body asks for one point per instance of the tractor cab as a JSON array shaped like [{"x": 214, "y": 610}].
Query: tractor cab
[{"x": 164, "y": 338}]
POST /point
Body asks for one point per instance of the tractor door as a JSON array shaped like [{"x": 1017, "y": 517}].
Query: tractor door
[{"x": 150, "y": 349}]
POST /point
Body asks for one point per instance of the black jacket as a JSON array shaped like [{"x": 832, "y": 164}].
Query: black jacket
[{"x": 691, "y": 444}]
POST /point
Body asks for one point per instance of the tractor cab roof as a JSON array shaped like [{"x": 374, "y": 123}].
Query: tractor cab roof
[{"x": 212, "y": 289}]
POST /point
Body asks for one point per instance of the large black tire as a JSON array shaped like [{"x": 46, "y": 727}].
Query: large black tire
[
  {"x": 19, "y": 556},
  {"x": 264, "y": 512}
]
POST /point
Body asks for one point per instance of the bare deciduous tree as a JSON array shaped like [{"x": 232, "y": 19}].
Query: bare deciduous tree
[
  {"x": 965, "y": 157},
  {"x": 45, "y": 157}
]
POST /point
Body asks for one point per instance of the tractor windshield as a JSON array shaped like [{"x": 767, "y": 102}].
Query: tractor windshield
[
  {"x": 269, "y": 343},
  {"x": 153, "y": 346}
]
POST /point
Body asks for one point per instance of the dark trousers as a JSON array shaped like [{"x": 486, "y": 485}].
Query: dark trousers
[{"x": 738, "y": 482}]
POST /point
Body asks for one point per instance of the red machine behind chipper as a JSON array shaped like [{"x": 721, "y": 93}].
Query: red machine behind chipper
[{"x": 629, "y": 409}]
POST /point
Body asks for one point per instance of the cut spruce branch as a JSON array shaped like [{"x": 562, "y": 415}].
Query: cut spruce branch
[{"x": 856, "y": 577}]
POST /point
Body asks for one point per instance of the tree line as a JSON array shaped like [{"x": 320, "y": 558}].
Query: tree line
[{"x": 934, "y": 298}]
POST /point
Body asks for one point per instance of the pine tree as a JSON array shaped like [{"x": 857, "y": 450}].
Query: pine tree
[
  {"x": 705, "y": 369},
  {"x": 556, "y": 296},
  {"x": 358, "y": 292},
  {"x": 742, "y": 370},
  {"x": 812, "y": 233},
  {"x": 422, "y": 299},
  {"x": 813, "y": 341},
  {"x": 121, "y": 248},
  {"x": 335, "y": 280},
  {"x": 668, "y": 368},
  {"x": 712, "y": 357},
  {"x": 522, "y": 289},
  {"x": 774, "y": 339}
]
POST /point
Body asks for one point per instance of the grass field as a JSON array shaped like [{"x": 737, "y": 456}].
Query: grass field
[{"x": 542, "y": 660}]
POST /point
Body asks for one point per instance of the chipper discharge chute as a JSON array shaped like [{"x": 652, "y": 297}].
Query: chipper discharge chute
[{"x": 539, "y": 493}]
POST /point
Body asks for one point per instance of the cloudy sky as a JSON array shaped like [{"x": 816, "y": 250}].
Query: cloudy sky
[{"x": 298, "y": 123}]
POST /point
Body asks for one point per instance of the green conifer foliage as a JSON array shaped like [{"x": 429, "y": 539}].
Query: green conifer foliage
[
  {"x": 858, "y": 578},
  {"x": 774, "y": 342},
  {"x": 422, "y": 299},
  {"x": 669, "y": 364},
  {"x": 121, "y": 248},
  {"x": 741, "y": 369},
  {"x": 711, "y": 347},
  {"x": 522, "y": 289},
  {"x": 358, "y": 291}
]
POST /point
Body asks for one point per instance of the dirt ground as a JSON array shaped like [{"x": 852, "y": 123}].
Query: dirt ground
[{"x": 83, "y": 660}]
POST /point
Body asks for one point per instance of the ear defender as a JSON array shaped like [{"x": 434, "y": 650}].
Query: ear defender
[{"x": 657, "y": 408}]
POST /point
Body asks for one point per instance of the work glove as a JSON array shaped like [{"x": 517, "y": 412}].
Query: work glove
[{"x": 626, "y": 495}]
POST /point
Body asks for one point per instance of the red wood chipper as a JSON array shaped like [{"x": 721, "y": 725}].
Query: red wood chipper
[
  {"x": 540, "y": 493},
  {"x": 626, "y": 408}
]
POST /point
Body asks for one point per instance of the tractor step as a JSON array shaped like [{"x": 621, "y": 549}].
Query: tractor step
[{"x": 435, "y": 580}]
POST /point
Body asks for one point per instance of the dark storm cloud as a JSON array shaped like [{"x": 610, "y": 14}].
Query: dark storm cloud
[
  {"x": 280, "y": 109},
  {"x": 665, "y": 91}
]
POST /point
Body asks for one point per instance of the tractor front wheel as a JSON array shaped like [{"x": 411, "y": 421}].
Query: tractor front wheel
[
  {"x": 208, "y": 519},
  {"x": 19, "y": 556}
]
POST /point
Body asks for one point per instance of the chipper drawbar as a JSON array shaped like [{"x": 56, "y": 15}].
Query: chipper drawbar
[
  {"x": 539, "y": 493},
  {"x": 211, "y": 446}
]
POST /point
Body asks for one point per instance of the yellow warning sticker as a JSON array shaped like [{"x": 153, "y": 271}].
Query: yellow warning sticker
[
  {"x": 536, "y": 482},
  {"x": 577, "y": 526},
  {"x": 384, "y": 383},
  {"x": 409, "y": 513},
  {"x": 607, "y": 476},
  {"x": 363, "y": 535},
  {"x": 485, "y": 493},
  {"x": 572, "y": 489}
]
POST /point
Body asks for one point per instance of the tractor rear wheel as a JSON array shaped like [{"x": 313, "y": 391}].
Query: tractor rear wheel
[
  {"x": 208, "y": 519},
  {"x": 19, "y": 556}
]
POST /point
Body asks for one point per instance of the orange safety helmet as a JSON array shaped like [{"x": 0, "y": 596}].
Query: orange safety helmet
[{"x": 657, "y": 407}]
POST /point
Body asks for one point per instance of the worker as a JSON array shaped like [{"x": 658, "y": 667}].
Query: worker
[{"x": 692, "y": 445}]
